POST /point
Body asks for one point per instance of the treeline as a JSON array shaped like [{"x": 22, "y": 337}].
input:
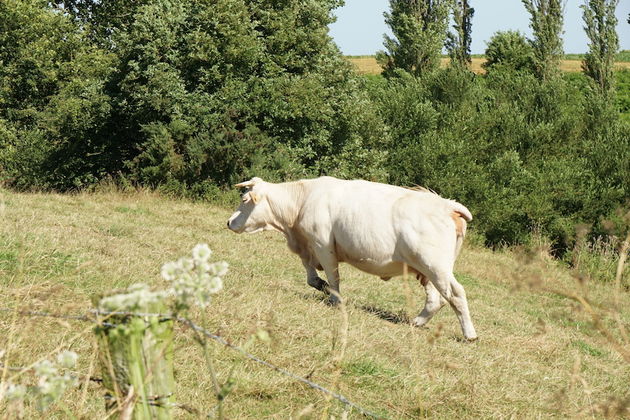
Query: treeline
[
  {"x": 191, "y": 96},
  {"x": 184, "y": 94}
]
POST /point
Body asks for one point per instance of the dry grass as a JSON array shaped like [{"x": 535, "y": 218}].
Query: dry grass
[
  {"x": 368, "y": 65},
  {"x": 538, "y": 355}
]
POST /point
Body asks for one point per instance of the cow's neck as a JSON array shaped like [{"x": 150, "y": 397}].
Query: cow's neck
[{"x": 285, "y": 202}]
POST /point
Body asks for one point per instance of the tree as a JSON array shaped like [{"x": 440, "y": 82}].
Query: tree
[
  {"x": 546, "y": 23},
  {"x": 458, "y": 43},
  {"x": 600, "y": 21},
  {"x": 190, "y": 94},
  {"x": 53, "y": 100},
  {"x": 508, "y": 50},
  {"x": 419, "y": 28}
]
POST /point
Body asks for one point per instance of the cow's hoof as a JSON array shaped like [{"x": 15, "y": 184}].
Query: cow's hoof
[
  {"x": 419, "y": 322},
  {"x": 319, "y": 284},
  {"x": 333, "y": 300},
  {"x": 472, "y": 339}
]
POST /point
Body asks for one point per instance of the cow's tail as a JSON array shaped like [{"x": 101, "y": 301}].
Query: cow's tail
[{"x": 461, "y": 216}]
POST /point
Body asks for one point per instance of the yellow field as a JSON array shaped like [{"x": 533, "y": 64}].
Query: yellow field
[{"x": 368, "y": 65}]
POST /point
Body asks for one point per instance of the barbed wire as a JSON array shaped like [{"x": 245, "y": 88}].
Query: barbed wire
[
  {"x": 47, "y": 314},
  {"x": 311, "y": 384},
  {"x": 207, "y": 334},
  {"x": 27, "y": 369}
]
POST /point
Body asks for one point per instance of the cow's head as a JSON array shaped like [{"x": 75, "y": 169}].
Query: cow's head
[{"x": 254, "y": 214}]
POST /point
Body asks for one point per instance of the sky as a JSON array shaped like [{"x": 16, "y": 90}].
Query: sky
[{"x": 360, "y": 24}]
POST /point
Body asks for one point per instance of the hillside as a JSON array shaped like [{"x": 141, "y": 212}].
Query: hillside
[{"x": 538, "y": 354}]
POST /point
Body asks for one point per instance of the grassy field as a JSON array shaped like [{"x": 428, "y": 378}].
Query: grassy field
[
  {"x": 538, "y": 356},
  {"x": 368, "y": 65}
]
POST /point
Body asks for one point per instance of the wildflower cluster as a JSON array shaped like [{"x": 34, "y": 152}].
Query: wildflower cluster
[
  {"x": 137, "y": 297},
  {"x": 53, "y": 381},
  {"x": 193, "y": 280}
]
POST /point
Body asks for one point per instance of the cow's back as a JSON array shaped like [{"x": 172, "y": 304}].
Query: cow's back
[{"x": 374, "y": 225}]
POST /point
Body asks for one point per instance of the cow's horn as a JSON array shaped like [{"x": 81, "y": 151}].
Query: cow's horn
[
  {"x": 247, "y": 184},
  {"x": 244, "y": 184}
]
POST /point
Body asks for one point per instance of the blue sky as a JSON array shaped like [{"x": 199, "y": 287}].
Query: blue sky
[{"x": 360, "y": 24}]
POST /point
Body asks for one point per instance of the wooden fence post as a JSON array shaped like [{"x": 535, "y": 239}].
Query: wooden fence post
[{"x": 136, "y": 359}]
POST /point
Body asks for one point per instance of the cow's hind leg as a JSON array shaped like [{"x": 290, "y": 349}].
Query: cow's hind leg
[
  {"x": 435, "y": 301},
  {"x": 448, "y": 286}
]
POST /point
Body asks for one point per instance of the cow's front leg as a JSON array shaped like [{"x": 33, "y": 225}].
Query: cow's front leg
[
  {"x": 313, "y": 279},
  {"x": 328, "y": 260}
]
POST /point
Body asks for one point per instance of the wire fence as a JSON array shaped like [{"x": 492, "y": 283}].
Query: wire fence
[{"x": 102, "y": 316}]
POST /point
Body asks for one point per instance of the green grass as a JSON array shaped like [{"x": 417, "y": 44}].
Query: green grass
[
  {"x": 538, "y": 355},
  {"x": 587, "y": 349},
  {"x": 623, "y": 56}
]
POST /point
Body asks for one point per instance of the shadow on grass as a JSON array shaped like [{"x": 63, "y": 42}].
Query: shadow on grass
[
  {"x": 384, "y": 314},
  {"x": 313, "y": 296}
]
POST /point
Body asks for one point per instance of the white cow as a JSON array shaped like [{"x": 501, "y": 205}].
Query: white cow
[{"x": 377, "y": 228}]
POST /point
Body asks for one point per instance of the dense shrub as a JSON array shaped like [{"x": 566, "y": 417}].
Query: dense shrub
[
  {"x": 623, "y": 93},
  {"x": 53, "y": 100},
  {"x": 179, "y": 93},
  {"x": 509, "y": 49},
  {"x": 520, "y": 152}
]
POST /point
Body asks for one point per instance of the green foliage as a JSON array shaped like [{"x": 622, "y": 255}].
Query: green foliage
[
  {"x": 458, "y": 42},
  {"x": 419, "y": 29},
  {"x": 622, "y": 85},
  {"x": 546, "y": 17},
  {"x": 509, "y": 50},
  {"x": 520, "y": 152},
  {"x": 54, "y": 104},
  {"x": 179, "y": 94},
  {"x": 600, "y": 22}
]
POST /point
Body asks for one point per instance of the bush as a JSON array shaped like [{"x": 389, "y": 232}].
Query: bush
[
  {"x": 519, "y": 152},
  {"x": 509, "y": 50},
  {"x": 159, "y": 93}
]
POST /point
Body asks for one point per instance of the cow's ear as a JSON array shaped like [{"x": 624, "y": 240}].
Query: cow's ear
[{"x": 255, "y": 198}]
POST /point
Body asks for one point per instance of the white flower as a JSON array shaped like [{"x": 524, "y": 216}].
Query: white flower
[
  {"x": 51, "y": 385},
  {"x": 170, "y": 270},
  {"x": 185, "y": 264},
  {"x": 138, "y": 296},
  {"x": 67, "y": 359},
  {"x": 215, "y": 284},
  {"x": 15, "y": 392},
  {"x": 219, "y": 269},
  {"x": 45, "y": 368},
  {"x": 192, "y": 280},
  {"x": 202, "y": 267},
  {"x": 47, "y": 386},
  {"x": 201, "y": 253}
]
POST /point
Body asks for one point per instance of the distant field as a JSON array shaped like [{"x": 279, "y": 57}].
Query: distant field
[
  {"x": 538, "y": 355},
  {"x": 368, "y": 64}
]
